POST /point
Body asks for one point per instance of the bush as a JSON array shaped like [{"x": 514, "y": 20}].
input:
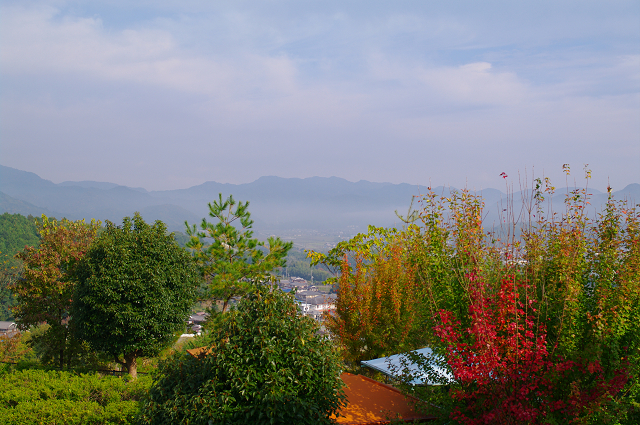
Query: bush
[
  {"x": 264, "y": 363},
  {"x": 539, "y": 324},
  {"x": 32, "y": 396},
  {"x": 539, "y": 328}
]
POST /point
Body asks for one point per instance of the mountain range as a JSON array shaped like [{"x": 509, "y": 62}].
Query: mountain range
[{"x": 276, "y": 204}]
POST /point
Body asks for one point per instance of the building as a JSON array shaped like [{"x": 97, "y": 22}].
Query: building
[
  {"x": 8, "y": 328},
  {"x": 316, "y": 306}
]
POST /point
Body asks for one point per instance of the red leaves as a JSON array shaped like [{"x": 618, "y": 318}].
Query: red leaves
[
  {"x": 45, "y": 292},
  {"x": 501, "y": 361}
]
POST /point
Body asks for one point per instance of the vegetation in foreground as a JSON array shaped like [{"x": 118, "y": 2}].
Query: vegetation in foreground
[
  {"x": 543, "y": 328},
  {"x": 39, "y": 396},
  {"x": 263, "y": 363}
]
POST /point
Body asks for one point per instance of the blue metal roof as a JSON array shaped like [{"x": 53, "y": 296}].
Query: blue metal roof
[{"x": 407, "y": 367}]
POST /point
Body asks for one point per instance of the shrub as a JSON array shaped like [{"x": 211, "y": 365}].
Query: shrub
[
  {"x": 376, "y": 312},
  {"x": 536, "y": 324},
  {"x": 31, "y": 396},
  {"x": 540, "y": 328},
  {"x": 264, "y": 363}
]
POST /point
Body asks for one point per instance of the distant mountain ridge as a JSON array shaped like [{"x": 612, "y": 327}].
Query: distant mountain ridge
[{"x": 321, "y": 203}]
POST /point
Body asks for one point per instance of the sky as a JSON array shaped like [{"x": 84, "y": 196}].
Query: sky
[{"x": 169, "y": 94}]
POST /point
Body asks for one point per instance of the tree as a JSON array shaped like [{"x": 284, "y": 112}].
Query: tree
[
  {"x": 264, "y": 364},
  {"x": 135, "y": 289},
  {"x": 46, "y": 291},
  {"x": 376, "y": 311},
  {"x": 233, "y": 262},
  {"x": 16, "y": 232}
]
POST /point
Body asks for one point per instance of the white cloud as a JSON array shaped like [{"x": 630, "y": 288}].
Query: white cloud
[
  {"x": 358, "y": 93},
  {"x": 41, "y": 42}
]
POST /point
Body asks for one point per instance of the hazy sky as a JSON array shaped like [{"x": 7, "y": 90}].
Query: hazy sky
[{"x": 169, "y": 94}]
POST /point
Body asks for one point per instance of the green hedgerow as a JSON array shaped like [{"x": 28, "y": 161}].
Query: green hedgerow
[{"x": 33, "y": 396}]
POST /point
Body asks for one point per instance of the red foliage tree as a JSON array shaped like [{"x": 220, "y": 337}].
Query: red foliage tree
[{"x": 504, "y": 369}]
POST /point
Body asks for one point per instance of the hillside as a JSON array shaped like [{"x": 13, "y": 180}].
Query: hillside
[{"x": 315, "y": 204}]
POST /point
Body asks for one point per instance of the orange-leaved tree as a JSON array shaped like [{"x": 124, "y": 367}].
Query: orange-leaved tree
[
  {"x": 376, "y": 308},
  {"x": 45, "y": 293}
]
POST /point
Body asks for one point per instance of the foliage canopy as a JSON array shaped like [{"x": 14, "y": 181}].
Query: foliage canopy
[
  {"x": 231, "y": 260},
  {"x": 135, "y": 289},
  {"x": 16, "y": 232},
  {"x": 376, "y": 311},
  {"x": 537, "y": 324},
  {"x": 45, "y": 292},
  {"x": 265, "y": 363},
  {"x": 34, "y": 396}
]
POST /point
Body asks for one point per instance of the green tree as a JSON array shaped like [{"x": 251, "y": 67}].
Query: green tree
[
  {"x": 264, "y": 364},
  {"x": 135, "y": 289},
  {"x": 16, "y": 232},
  {"x": 231, "y": 260},
  {"x": 46, "y": 291}
]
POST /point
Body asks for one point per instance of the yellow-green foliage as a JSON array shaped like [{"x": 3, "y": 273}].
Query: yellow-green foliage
[{"x": 32, "y": 396}]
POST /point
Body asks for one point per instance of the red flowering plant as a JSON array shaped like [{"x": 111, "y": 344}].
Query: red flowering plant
[{"x": 505, "y": 373}]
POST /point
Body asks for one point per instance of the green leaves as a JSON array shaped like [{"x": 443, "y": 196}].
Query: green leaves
[
  {"x": 32, "y": 396},
  {"x": 230, "y": 259},
  {"x": 135, "y": 289},
  {"x": 266, "y": 364}
]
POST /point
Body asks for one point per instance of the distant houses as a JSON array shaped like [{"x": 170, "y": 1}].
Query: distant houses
[
  {"x": 312, "y": 303},
  {"x": 8, "y": 328}
]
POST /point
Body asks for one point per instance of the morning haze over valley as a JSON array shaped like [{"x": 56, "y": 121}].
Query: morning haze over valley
[{"x": 314, "y": 213}]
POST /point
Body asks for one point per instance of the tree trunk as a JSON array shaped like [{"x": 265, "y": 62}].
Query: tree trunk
[
  {"x": 131, "y": 365},
  {"x": 225, "y": 305},
  {"x": 63, "y": 339}
]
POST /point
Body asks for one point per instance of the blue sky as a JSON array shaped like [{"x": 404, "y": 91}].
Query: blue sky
[{"x": 167, "y": 94}]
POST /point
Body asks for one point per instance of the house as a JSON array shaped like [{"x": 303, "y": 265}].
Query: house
[
  {"x": 198, "y": 318},
  {"x": 294, "y": 282},
  {"x": 406, "y": 367},
  {"x": 316, "y": 306},
  {"x": 307, "y": 295},
  {"x": 8, "y": 328}
]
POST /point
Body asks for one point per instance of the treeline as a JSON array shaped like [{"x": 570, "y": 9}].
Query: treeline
[
  {"x": 299, "y": 265},
  {"x": 16, "y": 232}
]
